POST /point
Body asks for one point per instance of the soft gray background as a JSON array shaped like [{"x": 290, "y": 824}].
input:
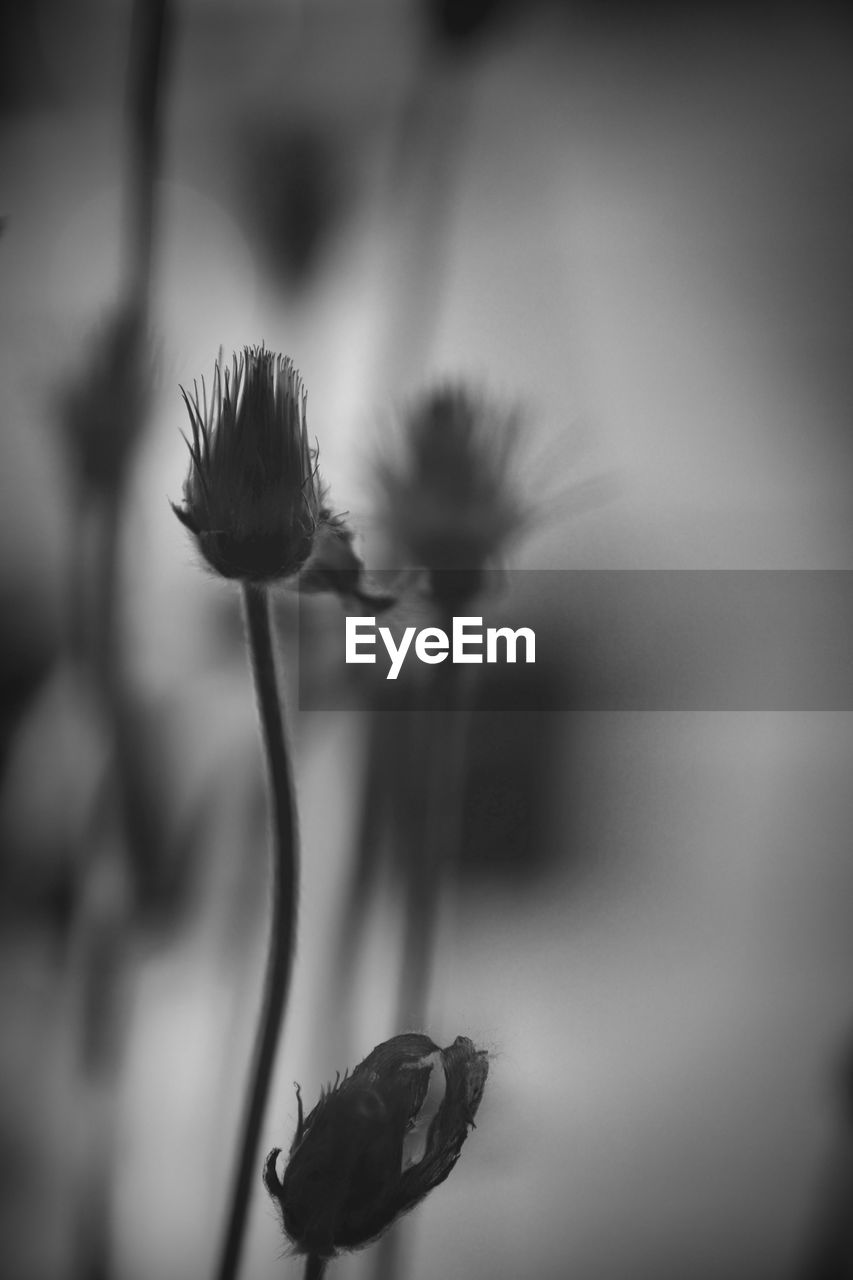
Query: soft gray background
[{"x": 639, "y": 228}]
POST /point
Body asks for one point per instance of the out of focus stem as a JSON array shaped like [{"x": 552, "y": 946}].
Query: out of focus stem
[
  {"x": 282, "y": 936},
  {"x": 149, "y": 48},
  {"x": 315, "y": 1267},
  {"x": 440, "y": 761},
  {"x": 441, "y": 745},
  {"x": 105, "y": 920}
]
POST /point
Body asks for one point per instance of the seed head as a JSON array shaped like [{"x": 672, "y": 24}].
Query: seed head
[
  {"x": 252, "y": 497},
  {"x": 377, "y": 1142}
]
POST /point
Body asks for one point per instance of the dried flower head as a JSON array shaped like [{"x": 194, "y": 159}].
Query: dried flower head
[
  {"x": 377, "y": 1142},
  {"x": 449, "y": 502},
  {"x": 253, "y": 498}
]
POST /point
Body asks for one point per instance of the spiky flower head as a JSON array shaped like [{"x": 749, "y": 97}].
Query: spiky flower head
[
  {"x": 449, "y": 501},
  {"x": 377, "y": 1142},
  {"x": 253, "y": 497}
]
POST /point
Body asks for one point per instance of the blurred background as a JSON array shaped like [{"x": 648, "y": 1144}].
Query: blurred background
[{"x": 634, "y": 224}]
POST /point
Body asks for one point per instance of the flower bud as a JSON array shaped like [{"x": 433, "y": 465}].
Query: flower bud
[
  {"x": 377, "y": 1142},
  {"x": 252, "y": 498}
]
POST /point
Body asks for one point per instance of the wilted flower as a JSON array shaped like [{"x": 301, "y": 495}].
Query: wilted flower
[
  {"x": 253, "y": 498},
  {"x": 449, "y": 503},
  {"x": 377, "y": 1142}
]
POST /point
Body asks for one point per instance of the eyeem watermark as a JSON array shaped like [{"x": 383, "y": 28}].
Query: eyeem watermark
[{"x": 466, "y": 643}]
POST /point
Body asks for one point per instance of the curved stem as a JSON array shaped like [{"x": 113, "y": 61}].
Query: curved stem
[{"x": 285, "y": 886}]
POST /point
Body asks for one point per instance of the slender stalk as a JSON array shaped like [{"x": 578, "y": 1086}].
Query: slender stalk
[
  {"x": 443, "y": 723},
  {"x": 425, "y": 868},
  {"x": 149, "y": 49},
  {"x": 315, "y": 1267},
  {"x": 285, "y": 886},
  {"x": 440, "y": 760},
  {"x": 363, "y": 875}
]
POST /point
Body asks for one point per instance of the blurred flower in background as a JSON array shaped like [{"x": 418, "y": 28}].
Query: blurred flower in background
[
  {"x": 106, "y": 408},
  {"x": 296, "y": 192},
  {"x": 450, "y": 503}
]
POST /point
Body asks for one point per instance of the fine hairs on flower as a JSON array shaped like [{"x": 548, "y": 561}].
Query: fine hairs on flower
[{"x": 253, "y": 497}]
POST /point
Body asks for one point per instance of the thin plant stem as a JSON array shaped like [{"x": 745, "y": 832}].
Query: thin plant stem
[
  {"x": 149, "y": 49},
  {"x": 425, "y": 872},
  {"x": 366, "y": 865},
  {"x": 443, "y": 741},
  {"x": 315, "y": 1267},
  {"x": 282, "y": 936},
  {"x": 443, "y": 723}
]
